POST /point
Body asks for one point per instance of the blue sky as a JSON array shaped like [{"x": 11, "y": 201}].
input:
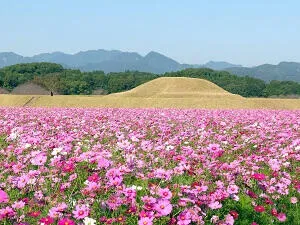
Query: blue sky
[{"x": 244, "y": 32}]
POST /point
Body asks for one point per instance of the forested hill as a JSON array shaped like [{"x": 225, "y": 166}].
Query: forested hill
[{"x": 68, "y": 81}]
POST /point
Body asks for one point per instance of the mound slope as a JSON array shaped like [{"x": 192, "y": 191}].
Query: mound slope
[
  {"x": 177, "y": 87},
  {"x": 30, "y": 88},
  {"x": 3, "y": 91}
]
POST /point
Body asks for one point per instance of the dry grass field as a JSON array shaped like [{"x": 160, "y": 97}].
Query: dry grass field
[{"x": 160, "y": 93}]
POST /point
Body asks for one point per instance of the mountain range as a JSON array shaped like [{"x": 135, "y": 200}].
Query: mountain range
[
  {"x": 154, "y": 62},
  {"x": 109, "y": 61},
  {"x": 267, "y": 72}
]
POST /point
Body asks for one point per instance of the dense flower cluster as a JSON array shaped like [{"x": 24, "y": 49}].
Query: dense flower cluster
[{"x": 147, "y": 166}]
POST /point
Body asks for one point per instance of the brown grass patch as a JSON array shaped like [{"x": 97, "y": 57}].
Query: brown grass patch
[{"x": 30, "y": 88}]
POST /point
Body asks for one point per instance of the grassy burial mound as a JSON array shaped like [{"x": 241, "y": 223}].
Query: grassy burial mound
[
  {"x": 182, "y": 92},
  {"x": 177, "y": 87}
]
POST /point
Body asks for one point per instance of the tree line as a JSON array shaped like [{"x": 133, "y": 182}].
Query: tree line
[{"x": 55, "y": 78}]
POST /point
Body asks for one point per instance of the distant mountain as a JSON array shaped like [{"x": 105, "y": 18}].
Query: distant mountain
[
  {"x": 268, "y": 72},
  {"x": 9, "y": 58},
  {"x": 109, "y": 61},
  {"x": 219, "y": 65}
]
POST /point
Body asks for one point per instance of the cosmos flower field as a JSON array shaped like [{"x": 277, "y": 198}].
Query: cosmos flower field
[{"x": 149, "y": 166}]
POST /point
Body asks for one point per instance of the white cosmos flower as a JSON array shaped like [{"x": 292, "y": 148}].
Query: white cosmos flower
[
  {"x": 27, "y": 145},
  {"x": 169, "y": 147},
  {"x": 236, "y": 198},
  {"x": 13, "y": 136},
  {"x": 56, "y": 151},
  {"x": 89, "y": 221},
  {"x": 136, "y": 187}
]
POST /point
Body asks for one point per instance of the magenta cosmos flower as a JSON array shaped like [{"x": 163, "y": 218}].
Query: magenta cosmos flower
[
  {"x": 66, "y": 221},
  {"x": 47, "y": 220},
  {"x": 3, "y": 197},
  {"x": 259, "y": 208},
  {"x": 259, "y": 176}
]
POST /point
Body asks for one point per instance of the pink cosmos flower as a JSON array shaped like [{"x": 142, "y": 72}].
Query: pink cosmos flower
[
  {"x": 145, "y": 221},
  {"x": 232, "y": 189},
  {"x": 115, "y": 181},
  {"x": 165, "y": 193},
  {"x": 146, "y": 214},
  {"x": 3, "y": 197},
  {"x": 22, "y": 181},
  {"x": 281, "y": 217},
  {"x": 6, "y": 212},
  {"x": 81, "y": 211},
  {"x": 163, "y": 207},
  {"x": 148, "y": 199},
  {"x": 184, "y": 218},
  {"x": 39, "y": 160},
  {"x": 215, "y": 205},
  {"x": 66, "y": 221},
  {"x": 56, "y": 212},
  {"x": 214, "y": 147},
  {"x": 18, "y": 205},
  {"x": 229, "y": 220}
]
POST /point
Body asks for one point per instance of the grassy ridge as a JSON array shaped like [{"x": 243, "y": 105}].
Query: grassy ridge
[
  {"x": 74, "y": 82},
  {"x": 159, "y": 93}
]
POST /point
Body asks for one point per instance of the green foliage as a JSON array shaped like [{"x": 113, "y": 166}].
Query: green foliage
[
  {"x": 278, "y": 88},
  {"x": 127, "y": 80},
  {"x": 12, "y": 76}
]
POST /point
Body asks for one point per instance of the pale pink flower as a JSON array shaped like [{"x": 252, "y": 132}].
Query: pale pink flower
[
  {"x": 294, "y": 200},
  {"x": 18, "y": 205},
  {"x": 215, "y": 205}
]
